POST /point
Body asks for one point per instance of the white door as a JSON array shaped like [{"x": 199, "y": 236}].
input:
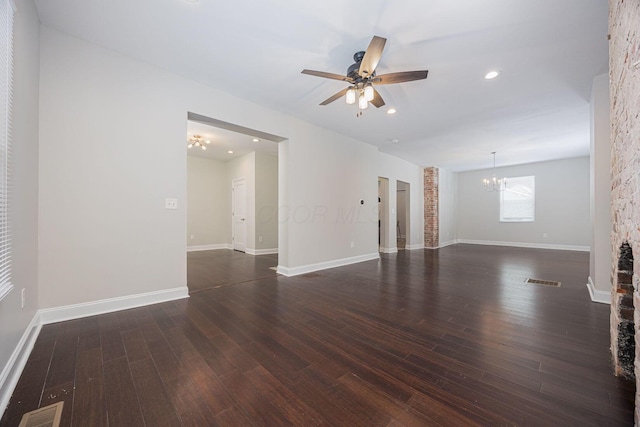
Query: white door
[{"x": 239, "y": 214}]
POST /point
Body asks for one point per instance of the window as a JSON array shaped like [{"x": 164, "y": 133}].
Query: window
[
  {"x": 518, "y": 200},
  {"x": 6, "y": 92}
]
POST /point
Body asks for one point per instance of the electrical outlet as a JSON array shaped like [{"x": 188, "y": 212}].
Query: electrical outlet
[
  {"x": 259, "y": 238},
  {"x": 23, "y": 297},
  {"x": 170, "y": 203}
]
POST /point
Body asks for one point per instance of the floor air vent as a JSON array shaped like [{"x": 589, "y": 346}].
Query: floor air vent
[
  {"x": 49, "y": 416},
  {"x": 543, "y": 282}
]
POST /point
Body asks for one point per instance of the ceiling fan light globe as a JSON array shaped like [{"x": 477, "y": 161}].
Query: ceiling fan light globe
[
  {"x": 351, "y": 96},
  {"x": 363, "y": 104},
  {"x": 368, "y": 92}
]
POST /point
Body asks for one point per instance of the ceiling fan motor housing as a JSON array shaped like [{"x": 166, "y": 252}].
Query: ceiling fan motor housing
[{"x": 354, "y": 69}]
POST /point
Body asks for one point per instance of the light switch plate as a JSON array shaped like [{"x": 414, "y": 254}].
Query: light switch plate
[{"x": 171, "y": 203}]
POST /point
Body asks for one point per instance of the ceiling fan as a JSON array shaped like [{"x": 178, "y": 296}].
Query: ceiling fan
[{"x": 362, "y": 77}]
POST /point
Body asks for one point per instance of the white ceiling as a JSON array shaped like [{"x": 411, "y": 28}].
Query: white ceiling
[
  {"x": 223, "y": 141},
  {"x": 548, "y": 52}
]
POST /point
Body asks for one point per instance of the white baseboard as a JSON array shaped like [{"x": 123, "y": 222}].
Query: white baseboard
[
  {"x": 447, "y": 243},
  {"x": 597, "y": 295},
  {"x": 414, "y": 247},
  {"x": 16, "y": 363},
  {"x": 388, "y": 250},
  {"x": 295, "y": 271},
  {"x": 526, "y": 245},
  {"x": 76, "y": 311},
  {"x": 261, "y": 251},
  {"x": 208, "y": 247}
]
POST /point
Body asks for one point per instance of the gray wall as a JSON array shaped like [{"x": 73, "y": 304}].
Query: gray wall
[
  {"x": 208, "y": 209},
  {"x": 266, "y": 201},
  {"x": 562, "y": 206},
  {"x": 447, "y": 199}
]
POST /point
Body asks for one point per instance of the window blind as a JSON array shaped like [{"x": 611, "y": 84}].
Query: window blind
[
  {"x": 7, "y": 11},
  {"x": 518, "y": 200}
]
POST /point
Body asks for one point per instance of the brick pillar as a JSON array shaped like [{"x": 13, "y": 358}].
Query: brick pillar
[
  {"x": 624, "y": 75},
  {"x": 431, "y": 226}
]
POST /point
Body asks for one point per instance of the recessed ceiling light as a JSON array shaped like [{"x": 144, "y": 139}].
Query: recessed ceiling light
[
  {"x": 395, "y": 140},
  {"x": 391, "y": 111},
  {"x": 256, "y": 140},
  {"x": 230, "y": 151},
  {"x": 492, "y": 75}
]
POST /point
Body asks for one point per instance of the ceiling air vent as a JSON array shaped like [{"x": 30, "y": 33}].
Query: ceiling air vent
[
  {"x": 49, "y": 416},
  {"x": 543, "y": 282}
]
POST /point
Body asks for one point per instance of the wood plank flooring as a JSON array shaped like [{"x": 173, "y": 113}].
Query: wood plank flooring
[{"x": 450, "y": 337}]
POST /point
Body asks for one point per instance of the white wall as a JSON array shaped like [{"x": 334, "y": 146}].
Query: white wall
[
  {"x": 562, "y": 206},
  {"x": 23, "y": 205},
  {"x": 266, "y": 175},
  {"x": 327, "y": 175},
  {"x": 600, "y": 164},
  {"x": 396, "y": 169},
  {"x": 447, "y": 203},
  {"x": 207, "y": 202}
]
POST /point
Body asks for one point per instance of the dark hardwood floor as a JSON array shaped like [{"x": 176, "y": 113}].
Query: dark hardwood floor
[
  {"x": 211, "y": 269},
  {"x": 451, "y": 337}
]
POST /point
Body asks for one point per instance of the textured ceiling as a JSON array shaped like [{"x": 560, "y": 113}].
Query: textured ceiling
[{"x": 537, "y": 109}]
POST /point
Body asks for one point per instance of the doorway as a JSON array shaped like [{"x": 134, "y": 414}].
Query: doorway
[
  {"x": 403, "y": 214},
  {"x": 232, "y": 198},
  {"x": 383, "y": 215}
]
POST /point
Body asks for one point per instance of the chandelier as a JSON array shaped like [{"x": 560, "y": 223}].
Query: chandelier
[
  {"x": 197, "y": 141},
  {"x": 494, "y": 183}
]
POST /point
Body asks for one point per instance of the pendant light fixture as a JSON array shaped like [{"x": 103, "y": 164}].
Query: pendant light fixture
[{"x": 494, "y": 183}]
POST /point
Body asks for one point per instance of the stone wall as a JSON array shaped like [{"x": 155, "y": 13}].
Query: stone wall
[
  {"x": 431, "y": 222},
  {"x": 624, "y": 71}
]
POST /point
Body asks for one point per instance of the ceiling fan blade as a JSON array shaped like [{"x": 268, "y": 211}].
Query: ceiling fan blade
[
  {"x": 334, "y": 97},
  {"x": 372, "y": 56},
  {"x": 377, "y": 99},
  {"x": 328, "y": 75},
  {"x": 403, "y": 76}
]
